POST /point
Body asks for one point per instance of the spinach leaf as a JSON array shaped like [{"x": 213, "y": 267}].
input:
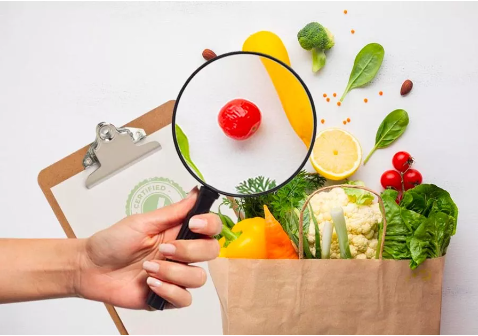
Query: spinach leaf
[
  {"x": 391, "y": 128},
  {"x": 358, "y": 196},
  {"x": 183, "y": 144},
  {"x": 366, "y": 65}
]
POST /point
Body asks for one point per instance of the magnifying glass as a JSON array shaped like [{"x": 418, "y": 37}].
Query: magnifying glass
[{"x": 239, "y": 116}]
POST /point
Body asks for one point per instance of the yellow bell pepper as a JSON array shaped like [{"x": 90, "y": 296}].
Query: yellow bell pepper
[
  {"x": 251, "y": 244},
  {"x": 222, "y": 241},
  {"x": 292, "y": 95}
]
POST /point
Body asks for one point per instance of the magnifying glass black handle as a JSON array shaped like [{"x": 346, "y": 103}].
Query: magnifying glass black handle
[{"x": 203, "y": 205}]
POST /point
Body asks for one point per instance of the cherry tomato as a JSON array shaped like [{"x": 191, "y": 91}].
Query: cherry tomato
[
  {"x": 412, "y": 178},
  {"x": 402, "y": 161},
  {"x": 239, "y": 119},
  {"x": 391, "y": 179}
]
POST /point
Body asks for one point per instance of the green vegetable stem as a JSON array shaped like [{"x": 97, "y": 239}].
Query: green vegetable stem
[
  {"x": 366, "y": 65},
  {"x": 327, "y": 239},
  {"x": 391, "y": 128},
  {"x": 338, "y": 218},
  {"x": 316, "y": 38},
  {"x": 318, "y": 250}
]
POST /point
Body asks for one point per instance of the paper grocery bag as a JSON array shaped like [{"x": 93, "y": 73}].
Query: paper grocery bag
[
  {"x": 313, "y": 296},
  {"x": 329, "y": 296}
]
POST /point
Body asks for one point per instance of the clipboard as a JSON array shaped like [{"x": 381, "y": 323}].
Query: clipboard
[{"x": 75, "y": 163}]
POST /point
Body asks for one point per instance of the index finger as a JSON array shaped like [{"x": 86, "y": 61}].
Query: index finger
[{"x": 207, "y": 224}]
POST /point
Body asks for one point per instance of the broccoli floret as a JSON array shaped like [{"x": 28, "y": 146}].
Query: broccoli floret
[{"x": 316, "y": 38}]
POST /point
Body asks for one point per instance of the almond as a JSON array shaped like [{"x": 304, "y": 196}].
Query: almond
[
  {"x": 208, "y": 54},
  {"x": 406, "y": 87}
]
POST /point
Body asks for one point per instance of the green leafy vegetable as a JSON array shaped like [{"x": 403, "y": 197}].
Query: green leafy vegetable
[
  {"x": 421, "y": 226},
  {"x": 431, "y": 238},
  {"x": 391, "y": 128},
  {"x": 358, "y": 196},
  {"x": 183, "y": 144},
  {"x": 366, "y": 65}
]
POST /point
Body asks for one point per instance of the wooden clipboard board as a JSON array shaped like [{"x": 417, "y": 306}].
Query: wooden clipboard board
[{"x": 73, "y": 164}]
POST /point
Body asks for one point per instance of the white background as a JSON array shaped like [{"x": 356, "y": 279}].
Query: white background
[{"x": 64, "y": 67}]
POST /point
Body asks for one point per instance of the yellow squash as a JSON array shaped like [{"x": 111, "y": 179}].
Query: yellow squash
[{"x": 292, "y": 95}]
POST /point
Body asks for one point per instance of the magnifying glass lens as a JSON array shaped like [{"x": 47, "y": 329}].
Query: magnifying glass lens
[{"x": 242, "y": 116}]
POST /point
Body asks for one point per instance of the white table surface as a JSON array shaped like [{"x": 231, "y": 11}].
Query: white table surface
[{"x": 64, "y": 67}]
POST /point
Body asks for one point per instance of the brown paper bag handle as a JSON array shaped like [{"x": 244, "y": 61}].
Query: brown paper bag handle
[{"x": 301, "y": 218}]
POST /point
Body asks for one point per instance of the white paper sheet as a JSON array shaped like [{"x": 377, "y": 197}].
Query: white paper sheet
[{"x": 155, "y": 181}]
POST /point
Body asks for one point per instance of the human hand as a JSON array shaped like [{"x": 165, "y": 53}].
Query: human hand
[{"x": 120, "y": 264}]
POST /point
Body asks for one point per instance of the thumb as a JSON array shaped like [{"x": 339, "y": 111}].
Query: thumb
[{"x": 172, "y": 215}]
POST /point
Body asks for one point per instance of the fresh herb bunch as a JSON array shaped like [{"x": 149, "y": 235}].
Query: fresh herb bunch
[{"x": 279, "y": 202}]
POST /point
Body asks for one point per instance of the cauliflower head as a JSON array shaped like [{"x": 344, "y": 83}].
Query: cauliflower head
[{"x": 361, "y": 221}]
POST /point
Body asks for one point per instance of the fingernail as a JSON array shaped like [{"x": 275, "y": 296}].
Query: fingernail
[
  {"x": 151, "y": 266},
  {"x": 153, "y": 282},
  {"x": 192, "y": 192},
  {"x": 167, "y": 249},
  {"x": 197, "y": 223}
]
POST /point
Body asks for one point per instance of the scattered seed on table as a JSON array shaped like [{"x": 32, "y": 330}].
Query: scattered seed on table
[
  {"x": 345, "y": 11},
  {"x": 339, "y": 103},
  {"x": 348, "y": 119},
  {"x": 345, "y": 122},
  {"x": 328, "y": 99},
  {"x": 380, "y": 93},
  {"x": 335, "y": 95},
  {"x": 322, "y": 121},
  {"x": 324, "y": 95},
  {"x": 365, "y": 100},
  {"x": 352, "y": 31}
]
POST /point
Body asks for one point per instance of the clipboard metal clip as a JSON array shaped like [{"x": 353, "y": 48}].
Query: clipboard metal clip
[{"x": 114, "y": 150}]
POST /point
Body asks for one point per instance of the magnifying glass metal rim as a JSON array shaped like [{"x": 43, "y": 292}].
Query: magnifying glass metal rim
[{"x": 193, "y": 173}]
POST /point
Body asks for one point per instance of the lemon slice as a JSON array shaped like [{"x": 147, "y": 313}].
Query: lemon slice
[{"x": 336, "y": 154}]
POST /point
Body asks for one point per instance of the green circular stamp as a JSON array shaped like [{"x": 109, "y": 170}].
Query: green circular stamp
[{"x": 152, "y": 194}]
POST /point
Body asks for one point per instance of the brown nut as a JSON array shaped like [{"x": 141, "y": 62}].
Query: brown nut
[
  {"x": 208, "y": 54},
  {"x": 406, "y": 87}
]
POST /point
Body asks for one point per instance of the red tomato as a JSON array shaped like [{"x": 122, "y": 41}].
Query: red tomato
[
  {"x": 239, "y": 119},
  {"x": 412, "y": 178},
  {"x": 402, "y": 161},
  {"x": 391, "y": 179}
]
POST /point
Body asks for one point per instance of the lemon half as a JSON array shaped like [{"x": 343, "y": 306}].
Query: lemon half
[{"x": 336, "y": 154}]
